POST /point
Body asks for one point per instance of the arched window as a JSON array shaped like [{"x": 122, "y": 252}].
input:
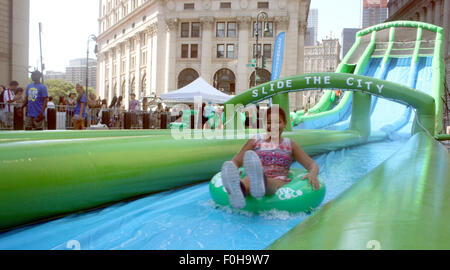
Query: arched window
[
  {"x": 115, "y": 88},
  {"x": 106, "y": 94},
  {"x": 132, "y": 86},
  {"x": 225, "y": 81},
  {"x": 122, "y": 89},
  {"x": 187, "y": 76},
  {"x": 263, "y": 77},
  {"x": 143, "y": 85}
]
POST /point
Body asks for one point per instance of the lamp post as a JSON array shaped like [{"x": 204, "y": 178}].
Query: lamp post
[
  {"x": 262, "y": 16},
  {"x": 94, "y": 38}
]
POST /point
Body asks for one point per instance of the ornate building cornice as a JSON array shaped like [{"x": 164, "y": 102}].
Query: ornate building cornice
[
  {"x": 152, "y": 29},
  {"x": 244, "y": 20},
  {"x": 171, "y": 24},
  {"x": 207, "y": 22},
  {"x": 302, "y": 26},
  {"x": 282, "y": 21}
]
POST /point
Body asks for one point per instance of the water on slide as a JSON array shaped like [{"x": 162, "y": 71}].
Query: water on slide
[
  {"x": 373, "y": 69},
  {"x": 187, "y": 218}
]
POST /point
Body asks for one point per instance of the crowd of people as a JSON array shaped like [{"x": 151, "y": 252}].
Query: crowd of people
[{"x": 77, "y": 107}]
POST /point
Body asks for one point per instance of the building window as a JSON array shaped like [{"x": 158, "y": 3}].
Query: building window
[
  {"x": 226, "y": 29},
  {"x": 263, "y": 4},
  {"x": 184, "y": 50},
  {"x": 185, "y": 29},
  {"x": 267, "y": 26},
  {"x": 225, "y": 81},
  {"x": 132, "y": 47},
  {"x": 256, "y": 51},
  {"x": 187, "y": 76},
  {"x": 220, "y": 51},
  {"x": 267, "y": 50},
  {"x": 263, "y": 77},
  {"x": 220, "y": 29},
  {"x": 144, "y": 58},
  {"x": 224, "y": 5},
  {"x": 189, "y": 6},
  {"x": 231, "y": 29},
  {"x": 194, "y": 50},
  {"x": 133, "y": 63},
  {"x": 230, "y": 51},
  {"x": 195, "y": 29},
  {"x": 190, "y": 29}
]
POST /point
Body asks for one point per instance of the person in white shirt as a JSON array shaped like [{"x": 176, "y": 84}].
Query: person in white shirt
[
  {"x": 50, "y": 105},
  {"x": 9, "y": 100}
]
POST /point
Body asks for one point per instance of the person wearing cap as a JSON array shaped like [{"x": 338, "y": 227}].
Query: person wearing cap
[{"x": 36, "y": 98}]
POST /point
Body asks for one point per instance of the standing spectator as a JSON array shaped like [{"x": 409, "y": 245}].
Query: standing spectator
[
  {"x": 134, "y": 103},
  {"x": 145, "y": 104},
  {"x": 99, "y": 102},
  {"x": 36, "y": 102},
  {"x": 204, "y": 118},
  {"x": 113, "y": 102},
  {"x": 19, "y": 97},
  {"x": 119, "y": 102},
  {"x": 133, "y": 106},
  {"x": 159, "y": 110},
  {"x": 2, "y": 91},
  {"x": 111, "y": 107},
  {"x": 92, "y": 103},
  {"x": 71, "y": 103},
  {"x": 103, "y": 108},
  {"x": 62, "y": 104},
  {"x": 8, "y": 99},
  {"x": 118, "y": 111},
  {"x": 80, "y": 109},
  {"x": 50, "y": 105}
]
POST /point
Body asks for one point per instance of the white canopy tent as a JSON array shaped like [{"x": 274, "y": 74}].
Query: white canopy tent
[{"x": 197, "y": 88}]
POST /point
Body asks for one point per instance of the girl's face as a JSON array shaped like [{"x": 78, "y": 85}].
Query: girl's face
[{"x": 272, "y": 128}]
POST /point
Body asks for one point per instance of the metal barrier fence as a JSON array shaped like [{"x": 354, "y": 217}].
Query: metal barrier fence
[{"x": 61, "y": 117}]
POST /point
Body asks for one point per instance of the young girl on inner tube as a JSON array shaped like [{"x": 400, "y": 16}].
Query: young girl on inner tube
[{"x": 267, "y": 159}]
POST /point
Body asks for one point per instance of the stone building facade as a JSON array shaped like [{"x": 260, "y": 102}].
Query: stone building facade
[
  {"x": 323, "y": 57},
  {"x": 436, "y": 12},
  {"x": 153, "y": 47},
  {"x": 14, "y": 31}
]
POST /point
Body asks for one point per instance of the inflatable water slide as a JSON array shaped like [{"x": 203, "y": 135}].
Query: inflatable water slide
[{"x": 387, "y": 178}]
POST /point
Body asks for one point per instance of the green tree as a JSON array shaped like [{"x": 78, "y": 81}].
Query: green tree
[{"x": 57, "y": 88}]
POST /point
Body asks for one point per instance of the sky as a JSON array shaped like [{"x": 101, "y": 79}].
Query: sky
[{"x": 67, "y": 24}]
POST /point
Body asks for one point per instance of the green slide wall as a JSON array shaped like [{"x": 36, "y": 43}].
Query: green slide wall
[{"x": 402, "y": 204}]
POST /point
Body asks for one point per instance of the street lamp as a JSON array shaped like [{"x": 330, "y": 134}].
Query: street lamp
[
  {"x": 94, "y": 38},
  {"x": 262, "y": 16}
]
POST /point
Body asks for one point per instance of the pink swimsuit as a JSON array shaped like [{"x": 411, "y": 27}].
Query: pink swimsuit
[{"x": 275, "y": 159}]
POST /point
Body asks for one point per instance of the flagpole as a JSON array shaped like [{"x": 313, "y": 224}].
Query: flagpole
[{"x": 40, "y": 48}]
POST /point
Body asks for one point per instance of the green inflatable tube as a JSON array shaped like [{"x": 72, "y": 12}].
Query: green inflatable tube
[{"x": 296, "y": 196}]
